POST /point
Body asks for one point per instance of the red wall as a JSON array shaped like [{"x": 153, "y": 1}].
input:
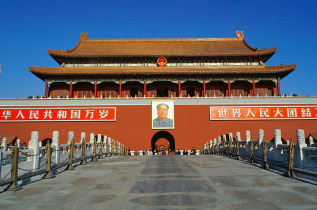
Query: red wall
[{"x": 133, "y": 127}]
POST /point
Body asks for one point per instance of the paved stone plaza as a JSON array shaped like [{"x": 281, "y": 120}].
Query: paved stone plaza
[{"x": 165, "y": 182}]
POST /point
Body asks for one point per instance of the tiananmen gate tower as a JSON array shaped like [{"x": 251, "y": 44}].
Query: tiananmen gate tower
[{"x": 139, "y": 91}]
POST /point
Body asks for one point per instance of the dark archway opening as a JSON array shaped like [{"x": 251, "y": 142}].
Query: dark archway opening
[{"x": 163, "y": 135}]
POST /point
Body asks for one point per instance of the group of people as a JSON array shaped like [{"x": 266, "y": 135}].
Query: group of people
[{"x": 163, "y": 152}]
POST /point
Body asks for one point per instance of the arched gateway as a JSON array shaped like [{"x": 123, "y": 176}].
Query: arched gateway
[{"x": 163, "y": 135}]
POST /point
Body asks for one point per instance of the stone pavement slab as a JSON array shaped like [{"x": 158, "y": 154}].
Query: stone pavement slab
[{"x": 165, "y": 182}]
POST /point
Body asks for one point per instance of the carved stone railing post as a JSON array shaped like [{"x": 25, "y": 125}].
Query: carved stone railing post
[
  {"x": 277, "y": 141},
  {"x": 91, "y": 142},
  {"x": 70, "y": 137},
  {"x": 55, "y": 146},
  {"x": 231, "y": 136},
  {"x": 300, "y": 134},
  {"x": 218, "y": 145},
  {"x": 251, "y": 151},
  {"x": 260, "y": 140},
  {"x": 310, "y": 141},
  {"x": 83, "y": 148},
  {"x": 224, "y": 138},
  {"x": 104, "y": 145},
  {"x": 4, "y": 144},
  {"x": 94, "y": 150},
  {"x": 100, "y": 146},
  {"x": 34, "y": 146},
  {"x": 112, "y": 147},
  {"x": 265, "y": 165},
  {"x": 238, "y": 138},
  {"x": 230, "y": 146},
  {"x": 19, "y": 144},
  {"x": 247, "y": 141},
  {"x": 212, "y": 143},
  {"x": 261, "y": 135},
  {"x": 109, "y": 146},
  {"x": 117, "y": 147},
  {"x": 92, "y": 138}
]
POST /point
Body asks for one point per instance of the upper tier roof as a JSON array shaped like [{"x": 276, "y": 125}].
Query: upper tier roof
[{"x": 162, "y": 47}]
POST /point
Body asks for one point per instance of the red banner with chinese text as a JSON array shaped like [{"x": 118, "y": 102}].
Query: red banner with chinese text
[
  {"x": 262, "y": 112},
  {"x": 58, "y": 114}
]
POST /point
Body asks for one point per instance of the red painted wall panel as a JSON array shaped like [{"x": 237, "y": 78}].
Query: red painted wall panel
[{"x": 133, "y": 127}]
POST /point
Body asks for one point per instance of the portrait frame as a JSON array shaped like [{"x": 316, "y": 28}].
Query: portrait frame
[{"x": 169, "y": 123}]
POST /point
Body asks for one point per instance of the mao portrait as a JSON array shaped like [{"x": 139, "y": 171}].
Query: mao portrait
[{"x": 163, "y": 114}]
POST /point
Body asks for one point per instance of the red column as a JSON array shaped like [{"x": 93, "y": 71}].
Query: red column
[
  {"x": 278, "y": 88},
  {"x": 95, "y": 90},
  {"x": 46, "y": 89},
  {"x": 120, "y": 88},
  {"x": 253, "y": 87},
  {"x": 204, "y": 88},
  {"x": 144, "y": 89},
  {"x": 229, "y": 88},
  {"x": 274, "y": 90},
  {"x": 179, "y": 89},
  {"x": 70, "y": 89}
]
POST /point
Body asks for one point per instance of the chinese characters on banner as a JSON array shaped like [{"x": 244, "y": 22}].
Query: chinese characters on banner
[
  {"x": 57, "y": 114},
  {"x": 262, "y": 112}
]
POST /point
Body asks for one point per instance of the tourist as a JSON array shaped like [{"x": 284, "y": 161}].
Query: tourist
[{"x": 193, "y": 151}]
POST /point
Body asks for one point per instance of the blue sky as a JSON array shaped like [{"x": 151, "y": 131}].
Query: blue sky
[{"x": 29, "y": 28}]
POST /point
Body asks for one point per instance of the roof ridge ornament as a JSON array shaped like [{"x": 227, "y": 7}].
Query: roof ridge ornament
[
  {"x": 240, "y": 35},
  {"x": 83, "y": 36}
]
